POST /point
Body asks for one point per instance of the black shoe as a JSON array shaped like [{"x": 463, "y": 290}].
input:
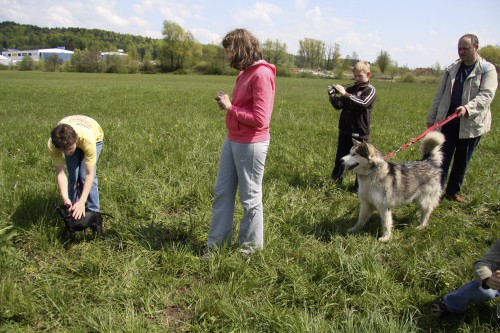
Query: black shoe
[{"x": 439, "y": 308}]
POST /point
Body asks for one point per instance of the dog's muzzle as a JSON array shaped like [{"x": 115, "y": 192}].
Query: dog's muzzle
[{"x": 350, "y": 167}]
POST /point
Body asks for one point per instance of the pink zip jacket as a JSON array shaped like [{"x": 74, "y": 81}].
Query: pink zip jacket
[{"x": 248, "y": 118}]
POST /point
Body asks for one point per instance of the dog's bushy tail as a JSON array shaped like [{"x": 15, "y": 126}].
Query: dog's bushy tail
[{"x": 431, "y": 147}]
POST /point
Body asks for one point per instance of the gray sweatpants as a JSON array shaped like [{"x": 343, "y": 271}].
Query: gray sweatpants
[{"x": 241, "y": 165}]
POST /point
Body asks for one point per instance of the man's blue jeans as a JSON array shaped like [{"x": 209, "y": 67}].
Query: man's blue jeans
[
  {"x": 460, "y": 150},
  {"x": 77, "y": 175},
  {"x": 458, "y": 301}
]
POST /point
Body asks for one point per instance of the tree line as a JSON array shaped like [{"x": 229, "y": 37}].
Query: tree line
[{"x": 178, "y": 51}]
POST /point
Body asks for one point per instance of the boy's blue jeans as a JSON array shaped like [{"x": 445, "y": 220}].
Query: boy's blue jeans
[
  {"x": 458, "y": 301},
  {"x": 77, "y": 175},
  {"x": 241, "y": 166}
]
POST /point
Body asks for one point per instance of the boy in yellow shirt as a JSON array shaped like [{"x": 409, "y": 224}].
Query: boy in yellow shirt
[{"x": 78, "y": 140}]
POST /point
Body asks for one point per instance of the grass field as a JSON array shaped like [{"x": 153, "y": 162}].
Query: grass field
[{"x": 157, "y": 170}]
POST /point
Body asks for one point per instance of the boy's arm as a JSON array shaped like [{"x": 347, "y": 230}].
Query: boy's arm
[
  {"x": 337, "y": 102},
  {"x": 62, "y": 182},
  {"x": 366, "y": 98}
]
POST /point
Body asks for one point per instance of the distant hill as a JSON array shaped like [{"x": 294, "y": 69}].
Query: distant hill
[{"x": 26, "y": 36}]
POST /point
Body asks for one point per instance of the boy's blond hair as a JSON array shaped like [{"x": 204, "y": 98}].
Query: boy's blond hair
[{"x": 362, "y": 66}]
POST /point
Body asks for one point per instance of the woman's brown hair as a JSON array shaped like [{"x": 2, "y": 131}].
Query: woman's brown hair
[{"x": 243, "y": 48}]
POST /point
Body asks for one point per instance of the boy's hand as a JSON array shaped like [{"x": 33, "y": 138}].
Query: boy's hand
[
  {"x": 331, "y": 91},
  {"x": 78, "y": 209},
  {"x": 340, "y": 89},
  {"x": 67, "y": 201}
]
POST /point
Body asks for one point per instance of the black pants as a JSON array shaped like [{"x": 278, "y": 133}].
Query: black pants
[
  {"x": 461, "y": 151},
  {"x": 343, "y": 148}
]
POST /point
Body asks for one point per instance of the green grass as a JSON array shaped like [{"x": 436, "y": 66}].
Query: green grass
[{"x": 157, "y": 170}]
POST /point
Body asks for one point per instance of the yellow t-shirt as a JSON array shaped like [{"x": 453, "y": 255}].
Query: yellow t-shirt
[{"x": 88, "y": 134}]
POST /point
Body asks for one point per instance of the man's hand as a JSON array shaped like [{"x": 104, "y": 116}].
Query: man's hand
[
  {"x": 494, "y": 281},
  {"x": 462, "y": 111},
  {"x": 340, "y": 89}
]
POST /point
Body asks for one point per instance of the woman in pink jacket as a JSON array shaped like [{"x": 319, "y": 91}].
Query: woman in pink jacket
[{"x": 243, "y": 155}]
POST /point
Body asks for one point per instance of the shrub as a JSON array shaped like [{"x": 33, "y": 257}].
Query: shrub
[
  {"x": 181, "y": 71},
  {"x": 409, "y": 78},
  {"x": 283, "y": 71}
]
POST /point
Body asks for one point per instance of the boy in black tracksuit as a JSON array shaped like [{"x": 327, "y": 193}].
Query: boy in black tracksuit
[{"x": 356, "y": 103}]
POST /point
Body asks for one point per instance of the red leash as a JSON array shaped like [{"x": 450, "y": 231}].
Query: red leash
[{"x": 430, "y": 129}]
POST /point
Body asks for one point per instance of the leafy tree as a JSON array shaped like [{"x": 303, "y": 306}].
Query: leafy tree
[
  {"x": 26, "y": 64},
  {"x": 116, "y": 64},
  {"x": 436, "y": 69},
  {"x": 393, "y": 70},
  {"x": 179, "y": 45},
  {"x": 355, "y": 57},
  {"x": 347, "y": 63},
  {"x": 275, "y": 52},
  {"x": 333, "y": 57},
  {"x": 492, "y": 54},
  {"x": 383, "y": 60},
  {"x": 148, "y": 66},
  {"x": 311, "y": 53},
  {"x": 53, "y": 62},
  {"x": 85, "y": 61},
  {"x": 212, "y": 60}
]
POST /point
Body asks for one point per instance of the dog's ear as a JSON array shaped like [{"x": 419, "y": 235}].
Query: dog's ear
[
  {"x": 355, "y": 142},
  {"x": 373, "y": 153}
]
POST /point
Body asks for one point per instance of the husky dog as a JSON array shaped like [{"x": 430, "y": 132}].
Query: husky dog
[{"x": 384, "y": 185}]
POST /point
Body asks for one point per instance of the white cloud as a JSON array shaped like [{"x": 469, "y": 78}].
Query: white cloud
[
  {"x": 351, "y": 38},
  {"x": 314, "y": 15},
  {"x": 260, "y": 11},
  {"x": 61, "y": 17},
  {"x": 108, "y": 15},
  {"x": 300, "y": 4},
  {"x": 205, "y": 36},
  {"x": 179, "y": 13}
]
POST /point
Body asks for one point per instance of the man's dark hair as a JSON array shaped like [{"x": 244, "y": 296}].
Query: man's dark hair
[
  {"x": 63, "y": 136},
  {"x": 473, "y": 39}
]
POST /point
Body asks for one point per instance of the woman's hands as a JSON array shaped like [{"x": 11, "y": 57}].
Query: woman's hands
[{"x": 223, "y": 100}]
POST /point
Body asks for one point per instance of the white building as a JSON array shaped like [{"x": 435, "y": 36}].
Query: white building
[
  {"x": 5, "y": 61},
  {"x": 105, "y": 55},
  {"x": 18, "y": 55}
]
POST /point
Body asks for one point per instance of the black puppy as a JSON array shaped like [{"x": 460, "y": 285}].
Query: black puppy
[{"x": 90, "y": 220}]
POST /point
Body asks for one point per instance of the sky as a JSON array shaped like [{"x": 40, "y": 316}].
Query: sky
[{"x": 420, "y": 33}]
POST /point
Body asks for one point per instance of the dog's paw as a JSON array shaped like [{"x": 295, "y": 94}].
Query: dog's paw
[
  {"x": 385, "y": 238},
  {"x": 421, "y": 226},
  {"x": 352, "y": 230}
]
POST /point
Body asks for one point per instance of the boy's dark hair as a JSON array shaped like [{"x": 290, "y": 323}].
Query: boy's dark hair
[
  {"x": 243, "y": 48},
  {"x": 63, "y": 136}
]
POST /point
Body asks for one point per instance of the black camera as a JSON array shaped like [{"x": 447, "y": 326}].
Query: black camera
[{"x": 332, "y": 90}]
